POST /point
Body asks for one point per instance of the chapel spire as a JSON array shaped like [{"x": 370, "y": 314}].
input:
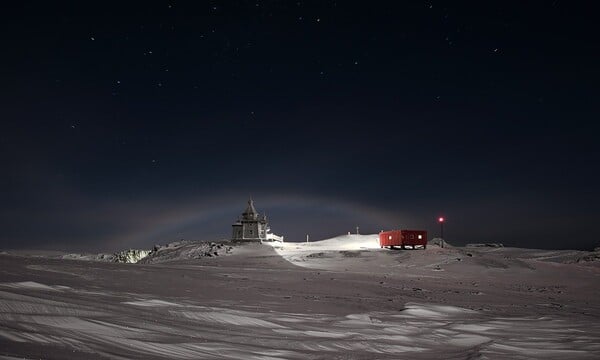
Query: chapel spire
[{"x": 250, "y": 213}]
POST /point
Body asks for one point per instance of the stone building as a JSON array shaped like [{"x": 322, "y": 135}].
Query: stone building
[{"x": 252, "y": 227}]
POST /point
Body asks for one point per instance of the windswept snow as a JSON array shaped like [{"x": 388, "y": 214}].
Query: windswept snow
[
  {"x": 33, "y": 285},
  {"x": 151, "y": 303},
  {"x": 348, "y": 299},
  {"x": 187, "y": 331}
]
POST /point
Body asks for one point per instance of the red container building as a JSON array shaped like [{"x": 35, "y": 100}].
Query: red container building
[{"x": 403, "y": 238}]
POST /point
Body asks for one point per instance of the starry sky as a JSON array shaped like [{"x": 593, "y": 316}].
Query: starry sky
[{"x": 129, "y": 124}]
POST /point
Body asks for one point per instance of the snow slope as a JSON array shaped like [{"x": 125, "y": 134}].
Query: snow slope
[
  {"x": 345, "y": 301},
  {"x": 343, "y": 242}
]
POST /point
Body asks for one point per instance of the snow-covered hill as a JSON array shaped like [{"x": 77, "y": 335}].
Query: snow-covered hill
[
  {"x": 186, "y": 250},
  {"x": 342, "y": 242}
]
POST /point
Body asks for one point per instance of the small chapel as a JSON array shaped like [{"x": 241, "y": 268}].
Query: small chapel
[{"x": 252, "y": 227}]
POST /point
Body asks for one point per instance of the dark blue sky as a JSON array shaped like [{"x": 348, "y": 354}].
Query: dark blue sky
[{"x": 125, "y": 125}]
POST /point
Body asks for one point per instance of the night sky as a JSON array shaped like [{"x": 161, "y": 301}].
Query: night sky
[{"x": 129, "y": 125}]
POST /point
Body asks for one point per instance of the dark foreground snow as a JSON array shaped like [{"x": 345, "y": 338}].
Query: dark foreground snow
[{"x": 257, "y": 303}]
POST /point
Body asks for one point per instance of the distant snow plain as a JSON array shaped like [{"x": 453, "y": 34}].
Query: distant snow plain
[{"x": 342, "y": 298}]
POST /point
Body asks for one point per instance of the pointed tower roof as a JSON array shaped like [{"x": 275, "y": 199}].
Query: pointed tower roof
[{"x": 250, "y": 212}]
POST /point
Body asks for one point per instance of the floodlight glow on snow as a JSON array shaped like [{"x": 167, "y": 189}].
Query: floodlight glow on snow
[{"x": 441, "y": 219}]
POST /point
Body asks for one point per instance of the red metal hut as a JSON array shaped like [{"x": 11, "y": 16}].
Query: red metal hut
[{"x": 403, "y": 238}]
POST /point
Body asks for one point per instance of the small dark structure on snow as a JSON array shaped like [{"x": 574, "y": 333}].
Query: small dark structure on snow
[{"x": 403, "y": 238}]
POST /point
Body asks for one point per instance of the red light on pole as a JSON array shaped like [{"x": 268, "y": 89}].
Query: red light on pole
[{"x": 441, "y": 221}]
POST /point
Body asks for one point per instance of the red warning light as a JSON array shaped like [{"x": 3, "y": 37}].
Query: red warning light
[{"x": 441, "y": 219}]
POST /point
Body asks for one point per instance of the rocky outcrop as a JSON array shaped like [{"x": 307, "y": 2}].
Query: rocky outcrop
[
  {"x": 592, "y": 256},
  {"x": 438, "y": 242},
  {"x": 130, "y": 256},
  {"x": 186, "y": 250}
]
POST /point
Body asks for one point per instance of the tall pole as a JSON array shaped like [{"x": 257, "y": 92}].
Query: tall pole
[{"x": 441, "y": 221}]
